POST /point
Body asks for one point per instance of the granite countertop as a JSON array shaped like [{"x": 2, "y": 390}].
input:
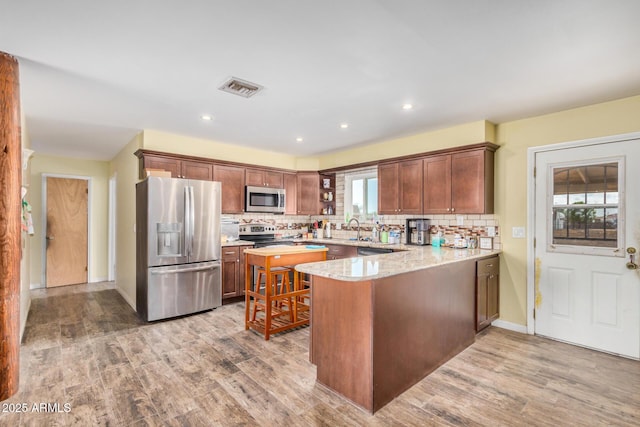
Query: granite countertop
[
  {"x": 237, "y": 243},
  {"x": 384, "y": 265}
]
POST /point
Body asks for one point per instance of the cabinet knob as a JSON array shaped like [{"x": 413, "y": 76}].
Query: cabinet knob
[{"x": 453, "y": 209}]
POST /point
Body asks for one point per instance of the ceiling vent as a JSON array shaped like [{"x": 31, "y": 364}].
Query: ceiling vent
[{"x": 240, "y": 87}]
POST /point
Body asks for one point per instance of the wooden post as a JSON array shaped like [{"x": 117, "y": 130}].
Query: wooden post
[{"x": 10, "y": 238}]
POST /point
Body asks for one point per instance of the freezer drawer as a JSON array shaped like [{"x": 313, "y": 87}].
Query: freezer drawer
[{"x": 183, "y": 289}]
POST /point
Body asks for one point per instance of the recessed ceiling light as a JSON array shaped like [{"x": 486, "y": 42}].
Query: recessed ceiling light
[
  {"x": 299, "y": 139},
  {"x": 344, "y": 125},
  {"x": 206, "y": 117},
  {"x": 407, "y": 106}
]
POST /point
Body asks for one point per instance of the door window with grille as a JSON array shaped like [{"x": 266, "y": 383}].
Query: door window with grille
[{"x": 586, "y": 208}]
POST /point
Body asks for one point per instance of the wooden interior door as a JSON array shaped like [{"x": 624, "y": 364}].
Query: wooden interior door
[{"x": 67, "y": 231}]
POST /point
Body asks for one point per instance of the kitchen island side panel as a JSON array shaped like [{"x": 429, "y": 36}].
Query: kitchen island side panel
[
  {"x": 421, "y": 319},
  {"x": 372, "y": 340},
  {"x": 341, "y": 336}
]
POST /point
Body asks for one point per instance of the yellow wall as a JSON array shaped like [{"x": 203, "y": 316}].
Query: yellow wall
[
  {"x": 514, "y": 138},
  {"x": 171, "y": 143},
  {"x": 125, "y": 168},
  {"x": 469, "y": 133},
  {"x": 99, "y": 173}
]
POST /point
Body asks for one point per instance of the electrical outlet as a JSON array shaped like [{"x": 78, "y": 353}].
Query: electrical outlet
[
  {"x": 491, "y": 231},
  {"x": 518, "y": 233},
  {"x": 459, "y": 220},
  {"x": 338, "y": 225}
]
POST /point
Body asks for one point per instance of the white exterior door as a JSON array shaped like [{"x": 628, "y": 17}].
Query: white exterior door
[{"x": 587, "y": 216}]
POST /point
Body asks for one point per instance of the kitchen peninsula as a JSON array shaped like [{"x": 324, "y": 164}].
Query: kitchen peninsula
[{"x": 381, "y": 323}]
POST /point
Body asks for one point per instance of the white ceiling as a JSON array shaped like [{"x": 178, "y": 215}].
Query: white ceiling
[{"x": 94, "y": 73}]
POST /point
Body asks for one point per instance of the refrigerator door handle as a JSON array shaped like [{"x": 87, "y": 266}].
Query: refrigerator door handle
[
  {"x": 186, "y": 270},
  {"x": 187, "y": 225},
  {"x": 192, "y": 219}
]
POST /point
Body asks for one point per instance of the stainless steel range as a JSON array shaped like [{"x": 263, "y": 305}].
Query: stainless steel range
[{"x": 262, "y": 235}]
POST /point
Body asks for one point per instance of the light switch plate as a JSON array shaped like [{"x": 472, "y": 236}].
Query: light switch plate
[
  {"x": 459, "y": 220},
  {"x": 491, "y": 231},
  {"x": 518, "y": 233}
]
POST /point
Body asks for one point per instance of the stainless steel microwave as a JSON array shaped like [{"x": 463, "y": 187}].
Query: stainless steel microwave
[{"x": 264, "y": 199}]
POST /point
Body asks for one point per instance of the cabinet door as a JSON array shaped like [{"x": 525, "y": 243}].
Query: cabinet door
[
  {"x": 290, "y": 187},
  {"x": 388, "y": 189},
  {"x": 197, "y": 170},
  {"x": 254, "y": 177},
  {"x": 157, "y": 162},
  {"x": 487, "y": 292},
  {"x": 468, "y": 182},
  {"x": 230, "y": 271},
  {"x": 273, "y": 179},
  {"x": 410, "y": 183},
  {"x": 481, "y": 302},
  {"x": 437, "y": 184},
  {"x": 493, "y": 297},
  {"x": 308, "y": 193},
  {"x": 232, "y": 179}
]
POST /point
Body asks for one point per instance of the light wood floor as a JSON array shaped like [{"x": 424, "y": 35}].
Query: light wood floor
[{"x": 88, "y": 349}]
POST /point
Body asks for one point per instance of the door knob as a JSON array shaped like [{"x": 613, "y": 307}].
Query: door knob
[
  {"x": 50, "y": 237},
  {"x": 632, "y": 265}
]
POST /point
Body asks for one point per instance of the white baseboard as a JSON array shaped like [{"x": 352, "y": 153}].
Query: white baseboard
[
  {"x": 36, "y": 286},
  {"x": 98, "y": 279},
  {"x": 510, "y": 326}
]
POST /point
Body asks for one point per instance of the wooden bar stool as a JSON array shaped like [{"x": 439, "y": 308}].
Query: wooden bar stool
[{"x": 281, "y": 284}]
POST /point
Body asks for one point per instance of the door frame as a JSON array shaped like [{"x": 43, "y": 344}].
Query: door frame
[
  {"x": 531, "y": 204},
  {"x": 43, "y": 242},
  {"x": 111, "y": 270}
]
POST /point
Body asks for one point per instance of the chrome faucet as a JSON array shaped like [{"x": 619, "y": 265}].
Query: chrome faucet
[{"x": 357, "y": 222}]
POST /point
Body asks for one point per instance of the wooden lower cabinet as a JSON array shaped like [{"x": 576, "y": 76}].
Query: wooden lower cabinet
[
  {"x": 487, "y": 292},
  {"x": 233, "y": 273}
]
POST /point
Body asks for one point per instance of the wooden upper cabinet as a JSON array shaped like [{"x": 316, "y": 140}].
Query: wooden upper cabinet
[
  {"x": 308, "y": 193},
  {"x": 178, "y": 168},
  {"x": 232, "y": 179},
  {"x": 197, "y": 170},
  {"x": 410, "y": 184},
  {"x": 459, "y": 183},
  {"x": 437, "y": 184},
  {"x": 400, "y": 188},
  {"x": 290, "y": 183},
  {"x": 388, "y": 189},
  {"x": 472, "y": 182},
  {"x": 159, "y": 162},
  {"x": 264, "y": 178}
]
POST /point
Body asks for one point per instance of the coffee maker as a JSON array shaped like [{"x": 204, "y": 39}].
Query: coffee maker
[{"x": 417, "y": 231}]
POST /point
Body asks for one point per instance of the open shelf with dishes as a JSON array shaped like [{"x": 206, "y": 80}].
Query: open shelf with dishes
[{"x": 327, "y": 194}]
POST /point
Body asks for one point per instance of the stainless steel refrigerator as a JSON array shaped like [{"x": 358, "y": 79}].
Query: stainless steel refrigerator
[{"x": 178, "y": 247}]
